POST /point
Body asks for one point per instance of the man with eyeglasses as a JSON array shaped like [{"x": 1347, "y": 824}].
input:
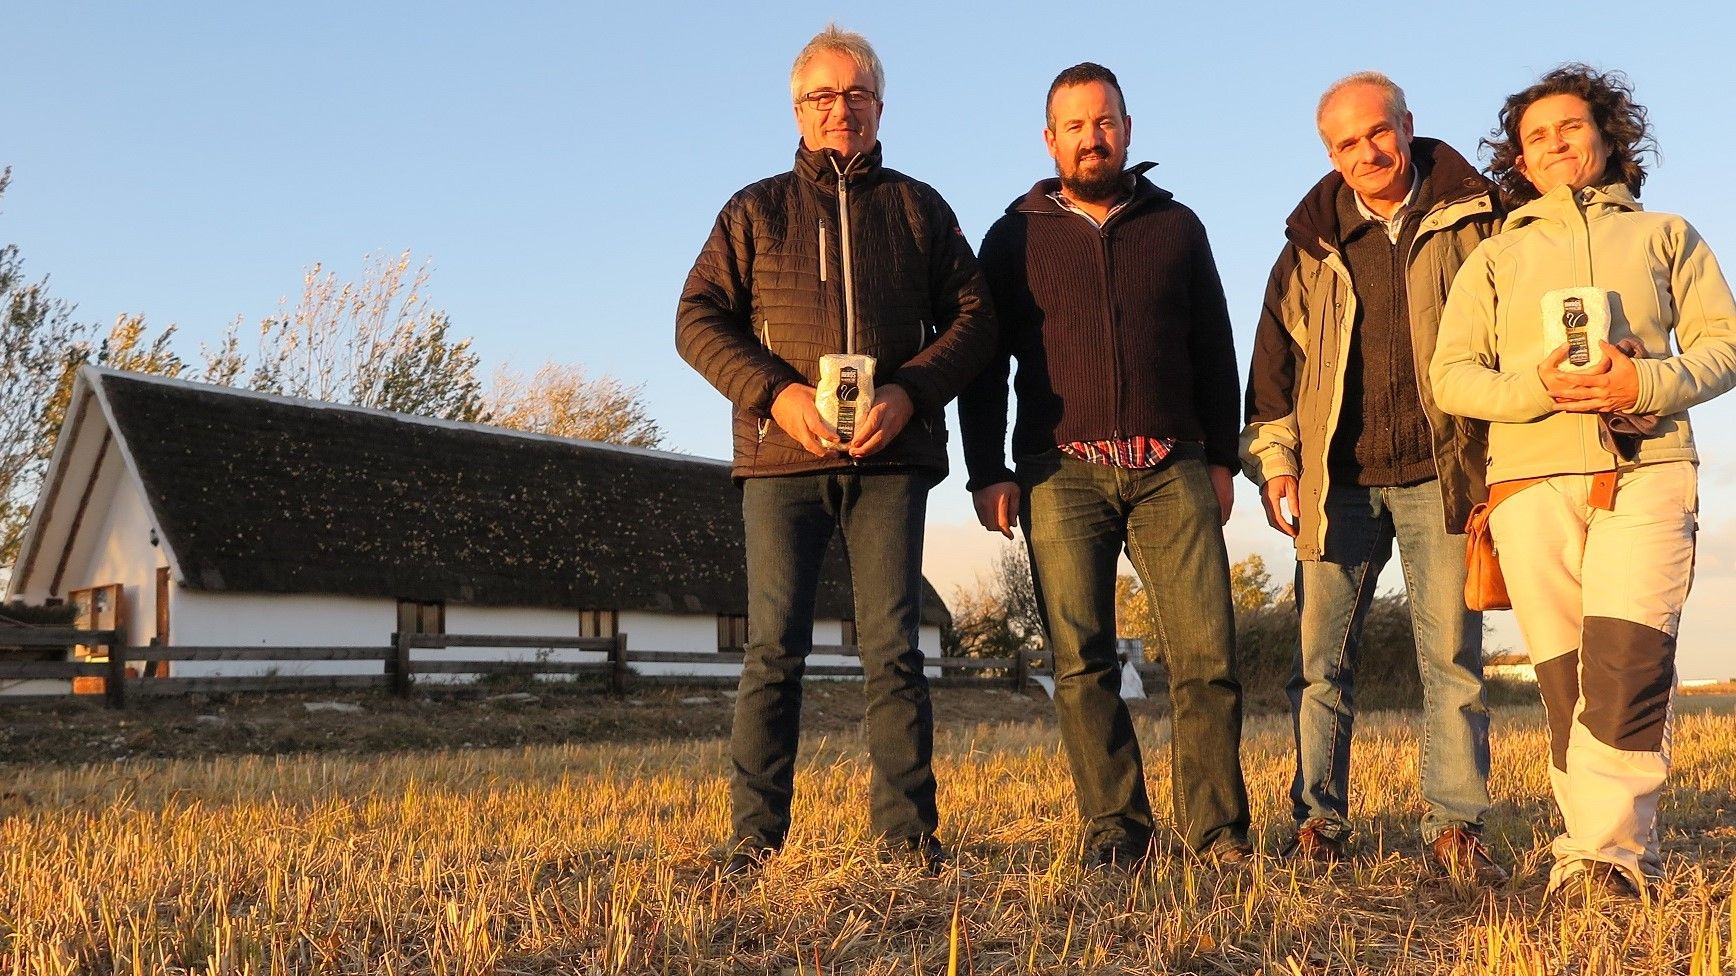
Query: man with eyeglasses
[
  {"x": 1107, "y": 295},
  {"x": 840, "y": 256}
]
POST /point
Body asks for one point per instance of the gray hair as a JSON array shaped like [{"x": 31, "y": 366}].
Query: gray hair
[
  {"x": 839, "y": 41},
  {"x": 1395, "y": 106}
]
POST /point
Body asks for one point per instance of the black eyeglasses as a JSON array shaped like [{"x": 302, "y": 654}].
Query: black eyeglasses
[{"x": 825, "y": 98}]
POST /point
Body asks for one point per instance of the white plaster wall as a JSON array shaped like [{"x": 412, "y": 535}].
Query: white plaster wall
[
  {"x": 115, "y": 547},
  {"x": 689, "y": 632},
  {"x": 202, "y": 618},
  {"x": 514, "y": 621},
  {"x": 52, "y": 515},
  {"x": 698, "y": 632},
  {"x": 504, "y": 622},
  {"x": 928, "y": 638}
]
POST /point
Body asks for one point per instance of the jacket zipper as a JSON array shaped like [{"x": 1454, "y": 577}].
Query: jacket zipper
[
  {"x": 1106, "y": 276},
  {"x": 922, "y": 339},
  {"x": 765, "y": 337},
  {"x": 822, "y": 250},
  {"x": 1582, "y": 231},
  {"x": 844, "y": 253},
  {"x": 1409, "y": 256}
]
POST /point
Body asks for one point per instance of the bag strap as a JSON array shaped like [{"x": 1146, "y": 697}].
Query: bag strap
[{"x": 1499, "y": 492}]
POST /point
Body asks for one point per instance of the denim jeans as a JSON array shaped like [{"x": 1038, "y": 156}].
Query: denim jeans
[
  {"x": 1333, "y": 595},
  {"x": 790, "y": 521},
  {"x": 1077, "y": 517}
]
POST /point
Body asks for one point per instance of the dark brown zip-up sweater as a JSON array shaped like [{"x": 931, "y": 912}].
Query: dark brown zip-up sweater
[
  {"x": 1118, "y": 331},
  {"x": 1383, "y": 437}
]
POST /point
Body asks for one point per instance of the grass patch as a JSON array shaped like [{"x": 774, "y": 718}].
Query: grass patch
[{"x": 599, "y": 859}]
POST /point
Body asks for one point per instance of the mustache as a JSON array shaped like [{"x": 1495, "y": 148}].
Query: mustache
[{"x": 1085, "y": 154}]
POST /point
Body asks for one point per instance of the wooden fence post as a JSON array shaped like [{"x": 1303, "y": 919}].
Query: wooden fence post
[
  {"x": 618, "y": 664},
  {"x": 114, "y": 687},
  {"x": 399, "y": 664},
  {"x": 1021, "y": 669}
]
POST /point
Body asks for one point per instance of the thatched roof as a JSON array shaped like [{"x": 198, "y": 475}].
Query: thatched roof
[{"x": 267, "y": 494}]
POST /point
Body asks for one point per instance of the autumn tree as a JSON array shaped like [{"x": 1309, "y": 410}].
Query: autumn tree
[
  {"x": 1133, "y": 616},
  {"x": 127, "y": 345},
  {"x": 563, "y": 401},
  {"x": 997, "y": 618},
  {"x": 1251, "y": 587},
  {"x": 37, "y": 331},
  {"x": 376, "y": 342}
]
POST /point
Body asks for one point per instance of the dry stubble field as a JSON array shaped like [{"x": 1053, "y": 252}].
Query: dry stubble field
[{"x": 599, "y": 859}]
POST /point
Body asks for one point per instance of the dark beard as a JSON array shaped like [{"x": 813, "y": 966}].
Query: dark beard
[{"x": 1106, "y": 187}]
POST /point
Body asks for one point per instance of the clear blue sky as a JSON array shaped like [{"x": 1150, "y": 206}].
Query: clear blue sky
[{"x": 561, "y": 163}]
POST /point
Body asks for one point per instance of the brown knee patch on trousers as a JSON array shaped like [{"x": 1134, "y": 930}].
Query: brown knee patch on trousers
[
  {"x": 1627, "y": 683},
  {"x": 1558, "y": 683}
]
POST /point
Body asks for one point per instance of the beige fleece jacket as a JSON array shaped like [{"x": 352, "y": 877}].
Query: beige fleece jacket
[{"x": 1663, "y": 281}]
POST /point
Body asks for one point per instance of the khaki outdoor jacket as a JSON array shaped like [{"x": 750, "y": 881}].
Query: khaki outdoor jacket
[
  {"x": 1662, "y": 279},
  {"x": 1296, "y": 382}
]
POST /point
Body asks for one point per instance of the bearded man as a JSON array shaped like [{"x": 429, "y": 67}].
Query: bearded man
[{"x": 1107, "y": 295}]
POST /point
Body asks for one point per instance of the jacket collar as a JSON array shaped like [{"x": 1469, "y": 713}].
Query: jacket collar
[
  {"x": 1447, "y": 178},
  {"x": 1563, "y": 202},
  {"x": 818, "y": 166},
  {"x": 1037, "y": 200}
]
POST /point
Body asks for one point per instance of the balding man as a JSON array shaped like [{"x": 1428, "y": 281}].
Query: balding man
[{"x": 1351, "y": 453}]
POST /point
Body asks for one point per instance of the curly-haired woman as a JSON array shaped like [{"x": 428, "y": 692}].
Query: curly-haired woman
[{"x": 1590, "y": 451}]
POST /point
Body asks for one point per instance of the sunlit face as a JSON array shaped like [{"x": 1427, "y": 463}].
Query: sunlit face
[
  {"x": 1367, "y": 146},
  {"x": 1088, "y": 136},
  {"x": 844, "y": 128},
  {"x": 1561, "y": 144}
]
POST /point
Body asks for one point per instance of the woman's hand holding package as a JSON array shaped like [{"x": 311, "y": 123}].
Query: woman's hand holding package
[{"x": 1611, "y": 386}]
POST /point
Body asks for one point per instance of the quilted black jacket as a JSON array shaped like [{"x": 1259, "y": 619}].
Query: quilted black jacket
[{"x": 835, "y": 256}]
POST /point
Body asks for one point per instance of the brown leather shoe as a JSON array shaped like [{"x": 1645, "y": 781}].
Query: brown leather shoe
[
  {"x": 1228, "y": 853},
  {"x": 1460, "y": 854},
  {"x": 1318, "y": 839}
]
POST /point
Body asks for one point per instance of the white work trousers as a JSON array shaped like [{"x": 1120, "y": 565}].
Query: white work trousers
[{"x": 1599, "y": 596}]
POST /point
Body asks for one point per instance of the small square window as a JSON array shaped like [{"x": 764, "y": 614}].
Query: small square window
[
  {"x": 599, "y": 623},
  {"x": 731, "y": 631},
  {"x": 421, "y": 617}
]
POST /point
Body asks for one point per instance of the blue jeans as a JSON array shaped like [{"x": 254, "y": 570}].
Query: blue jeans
[
  {"x": 790, "y": 521},
  {"x": 1077, "y": 517},
  {"x": 1333, "y": 595}
]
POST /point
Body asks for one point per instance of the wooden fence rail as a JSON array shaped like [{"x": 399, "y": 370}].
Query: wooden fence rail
[{"x": 399, "y": 666}]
